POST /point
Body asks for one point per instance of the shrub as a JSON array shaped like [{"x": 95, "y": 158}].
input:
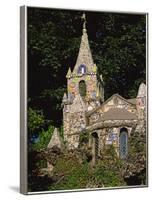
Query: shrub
[
  {"x": 35, "y": 121},
  {"x": 43, "y": 139}
]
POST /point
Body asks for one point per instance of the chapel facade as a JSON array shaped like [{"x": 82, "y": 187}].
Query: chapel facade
[{"x": 85, "y": 110}]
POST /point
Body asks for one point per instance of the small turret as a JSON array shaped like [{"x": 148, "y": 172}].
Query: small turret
[
  {"x": 141, "y": 96},
  {"x": 64, "y": 99},
  {"x": 141, "y": 101},
  {"x": 94, "y": 69},
  {"x": 69, "y": 73},
  {"x": 141, "y": 90}
]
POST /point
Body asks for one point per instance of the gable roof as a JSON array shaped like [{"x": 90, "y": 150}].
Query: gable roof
[
  {"x": 118, "y": 114},
  {"x": 133, "y": 101},
  {"x": 130, "y": 101},
  {"x": 119, "y": 96}
]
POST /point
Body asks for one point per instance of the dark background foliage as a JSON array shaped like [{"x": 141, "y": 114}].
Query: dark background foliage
[{"x": 117, "y": 42}]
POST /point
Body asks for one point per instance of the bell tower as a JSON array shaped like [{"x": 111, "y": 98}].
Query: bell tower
[{"x": 84, "y": 91}]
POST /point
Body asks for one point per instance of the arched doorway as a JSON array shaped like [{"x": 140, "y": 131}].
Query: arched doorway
[
  {"x": 123, "y": 143},
  {"x": 95, "y": 147}
]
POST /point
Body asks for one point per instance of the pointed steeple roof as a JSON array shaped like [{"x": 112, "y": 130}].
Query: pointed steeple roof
[
  {"x": 84, "y": 55},
  {"x": 56, "y": 140}
]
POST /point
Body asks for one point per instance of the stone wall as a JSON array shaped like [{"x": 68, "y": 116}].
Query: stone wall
[{"x": 74, "y": 121}]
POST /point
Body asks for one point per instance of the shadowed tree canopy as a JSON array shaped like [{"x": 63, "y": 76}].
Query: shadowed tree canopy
[{"x": 118, "y": 47}]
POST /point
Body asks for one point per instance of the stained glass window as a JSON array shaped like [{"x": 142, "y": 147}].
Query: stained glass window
[{"x": 123, "y": 143}]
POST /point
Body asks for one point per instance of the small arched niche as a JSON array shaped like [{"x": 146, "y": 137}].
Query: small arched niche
[
  {"x": 82, "y": 69},
  {"x": 123, "y": 143}
]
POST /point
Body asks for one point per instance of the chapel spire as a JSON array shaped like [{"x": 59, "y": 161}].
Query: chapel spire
[{"x": 84, "y": 55}]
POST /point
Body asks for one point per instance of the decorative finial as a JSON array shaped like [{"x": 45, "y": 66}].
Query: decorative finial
[
  {"x": 84, "y": 21},
  {"x": 69, "y": 73},
  {"x": 65, "y": 96}
]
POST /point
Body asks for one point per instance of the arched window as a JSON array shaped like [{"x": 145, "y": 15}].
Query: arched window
[
  {"x": 82, "y": 88},
  {"x": 82, "y": 69},
  {"x": 123, "y": 142}
]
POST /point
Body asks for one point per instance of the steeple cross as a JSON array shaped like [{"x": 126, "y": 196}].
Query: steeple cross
[{"x": 84, "y": 20}]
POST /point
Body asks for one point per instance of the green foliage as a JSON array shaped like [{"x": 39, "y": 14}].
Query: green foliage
[
  {"x": 84, "y": 137},
  {"x": 75, "y": 174},
  {"x": 137, "y": 146},
  {"x": 121, "y": 56},
  {"x": 137, "y": 143},
  {"x": 107, "y": 172},
  {"x": 35, "y": 121},
  {"x": 50, "y": 47},
  {"x": 44, "y": 138},
  {"x": 137, "y": 155},
  {"x": 107, "y": 177},
  {"x": 41, "y": 164},
  {"x": 70, "y": 173}
]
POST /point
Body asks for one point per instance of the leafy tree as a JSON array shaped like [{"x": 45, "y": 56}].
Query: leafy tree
[
  {"x": 35, "y": 121},
  {"x": 121, "y": 53}
]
